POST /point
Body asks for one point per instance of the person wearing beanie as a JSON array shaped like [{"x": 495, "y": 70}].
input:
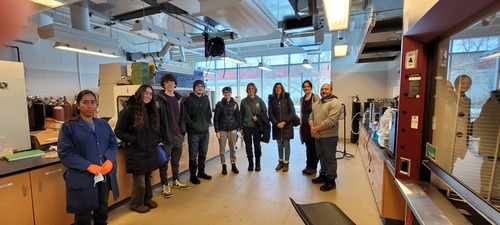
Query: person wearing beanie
[
  {"x": 197, "y": 116},
  {"x": 198, "y": 82}
]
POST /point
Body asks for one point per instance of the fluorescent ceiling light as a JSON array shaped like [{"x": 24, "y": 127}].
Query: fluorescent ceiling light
[
  {"x": 152, "y": 31},
  {"x": 233, "y": 58},
  {"x": 264, "y": 66},
  {"x": 341, "y": 50},
  {"x": 75, "y": 37},
  {"x": 49, "y": 3},
  {"x": 306, "y": 64},
  {"x": 85, "y": 50},
  {"x": 205, "y": 71},
  {"x": 337, "y": 13}
]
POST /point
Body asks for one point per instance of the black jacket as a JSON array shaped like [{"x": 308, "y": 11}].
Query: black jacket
[
  {"x": 166, "y": 121},
  {"x": 227, "y": 115},
  {"x": 281, "y": 110},
  {"x": 264, "y": 127},
  {"x": 140, "y": 144}
]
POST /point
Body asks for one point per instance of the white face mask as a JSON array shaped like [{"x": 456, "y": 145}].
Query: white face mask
[{"x": 98, "y": 178}]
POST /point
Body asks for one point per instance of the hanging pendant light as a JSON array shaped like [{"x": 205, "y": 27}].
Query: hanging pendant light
[
  {"x": 306, "y": 64},
  {"x": 264, "y": 66}
]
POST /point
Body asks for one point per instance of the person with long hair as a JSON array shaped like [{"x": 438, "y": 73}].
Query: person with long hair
[
  {"x": 251, "y": 107},
  {"x": 306, "y": 103},
  {"x": 138, "y": 127},
  {"x": 87, "y": 148},
  {"x": 281, "y": 114}
]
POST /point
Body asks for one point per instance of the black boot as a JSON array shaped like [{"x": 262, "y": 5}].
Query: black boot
[
  {"x": 224, "y": 169},
  {"x": 203, "y": 175},
  {"x": 250, "y": 164},
  {"x": 194, "y": 179},
  {"x": 233, "y": 168},
  {"x": 321, "y": 179},
  {"x": 329, "y": 185},
  {"x": 280, "y": 165},
  {"x": 257, "y": 163},
  {"x": 285, "y": 167}
]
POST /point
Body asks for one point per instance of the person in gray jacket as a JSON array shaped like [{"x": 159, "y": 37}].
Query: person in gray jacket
[
  {"x": 226, "y": 123},
  {"x": 281, "y": 114},
  {"x": 324, "y": 123}
]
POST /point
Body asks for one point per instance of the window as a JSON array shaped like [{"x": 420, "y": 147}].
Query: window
[{"x": 467, "y": 107}]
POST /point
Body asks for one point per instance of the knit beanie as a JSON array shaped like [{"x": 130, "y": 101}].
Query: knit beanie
[{"x": 196, "y": 82}]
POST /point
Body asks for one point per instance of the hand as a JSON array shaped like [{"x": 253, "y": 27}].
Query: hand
[
  {"x": 317, "y": 136},
  {"x": 241, "y": 131},
  {"x": 254, "y": 118},
  {"x": 217, "y": 135},
  {"x": 94, "y": 169},
  {"x": 106, "y": 167}
]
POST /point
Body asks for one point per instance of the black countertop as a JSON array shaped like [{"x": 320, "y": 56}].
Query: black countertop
[{"x": 22, "y": 165}]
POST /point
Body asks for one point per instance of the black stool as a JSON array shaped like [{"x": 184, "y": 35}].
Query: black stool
[{"x": 320, "y": 213}]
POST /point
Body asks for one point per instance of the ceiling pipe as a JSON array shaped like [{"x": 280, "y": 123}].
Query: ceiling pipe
[{"x": 80, "y": 17}]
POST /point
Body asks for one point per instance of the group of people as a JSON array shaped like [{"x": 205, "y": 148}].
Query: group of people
[{"x": 149, "y": 122}]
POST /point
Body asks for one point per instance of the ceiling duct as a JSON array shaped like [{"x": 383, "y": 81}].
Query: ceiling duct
[
  {"x": 80, "y": 34},
  {"x": 246, "y": 17}
]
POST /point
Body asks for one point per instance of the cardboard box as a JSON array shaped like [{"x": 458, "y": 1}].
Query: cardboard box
[{"x": 44, "y": 137}]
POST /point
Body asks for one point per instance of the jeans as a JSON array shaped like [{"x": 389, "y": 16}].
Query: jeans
[
  {"x": 198, "y": 147},
  {"x": 175, "y": 158},
  {"x": 101, "y": 213},
  {"x": 326, "y": 148},
  {"x": 283, "y": 148},
  {"x": 312, "y": 159},
  {"x": 252, "y": 134},
  {"x": 231, "y": 137},
  {"x": 142, "y": 190}
]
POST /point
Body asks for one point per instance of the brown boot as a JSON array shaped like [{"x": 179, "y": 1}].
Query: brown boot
[{"x": 140, "y": 208}]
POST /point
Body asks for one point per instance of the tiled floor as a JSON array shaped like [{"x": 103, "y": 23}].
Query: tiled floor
[{"x": 259, "y": 197}]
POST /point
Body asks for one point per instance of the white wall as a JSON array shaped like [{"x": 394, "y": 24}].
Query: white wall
[{"x": 53, "y": 72}]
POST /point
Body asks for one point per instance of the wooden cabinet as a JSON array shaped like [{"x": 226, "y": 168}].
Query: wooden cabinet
[
  {"x": 49, "y": 196},
  {"x": 390, "y": 202},
  {"x": 15, "y": 194}
]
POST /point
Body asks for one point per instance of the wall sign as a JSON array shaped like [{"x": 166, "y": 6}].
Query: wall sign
[
  {"x": 411, "y": 59},
  {"x": 414, "y": 85}
]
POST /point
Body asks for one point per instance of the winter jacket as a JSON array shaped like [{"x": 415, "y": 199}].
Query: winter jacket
[
  {"x": 196, "y": 113},
  {"x": 250, "y": 107},
  {"x": 327, "y": 111},
  {"x": 227, "y": 115},
  {"x": 281, "y": 110},
  {"x": 166, "y": 121},
  {"x": 78, "y": 147},
  {"x": 140, "y": 144}
]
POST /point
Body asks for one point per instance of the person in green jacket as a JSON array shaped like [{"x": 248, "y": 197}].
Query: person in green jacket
[{"x": 197, "y": 116}]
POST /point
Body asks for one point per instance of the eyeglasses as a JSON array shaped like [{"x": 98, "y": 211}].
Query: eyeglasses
[{"x": 226, "y": 92}]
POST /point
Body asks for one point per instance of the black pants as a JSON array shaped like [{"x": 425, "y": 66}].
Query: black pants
[
  {"x": 312, "y": 158},
  {"x": 100, "y": 214},
  {"x": 252, "y": 134}
]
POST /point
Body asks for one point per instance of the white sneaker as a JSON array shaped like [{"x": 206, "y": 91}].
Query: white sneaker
[
  {"x": 179, "y": 185},
  {"x": 167, "y": 193}
]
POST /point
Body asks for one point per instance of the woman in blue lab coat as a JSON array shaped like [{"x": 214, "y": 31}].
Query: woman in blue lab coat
[{"x": 87, "y": 148}]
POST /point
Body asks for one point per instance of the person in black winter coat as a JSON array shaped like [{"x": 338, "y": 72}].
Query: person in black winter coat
[
  {"x": 138, "y": 128},
  {"x": 226, "y": 123},
  {"x": 281, "y": 114}
]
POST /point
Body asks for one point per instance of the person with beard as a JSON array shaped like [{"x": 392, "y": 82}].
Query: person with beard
[{"x": 324, "y": 123}]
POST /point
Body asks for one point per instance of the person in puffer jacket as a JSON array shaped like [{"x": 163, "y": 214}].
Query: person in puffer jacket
[
  {"x": 281, "y": 114},
  {"x": 226, "y": 123}
]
